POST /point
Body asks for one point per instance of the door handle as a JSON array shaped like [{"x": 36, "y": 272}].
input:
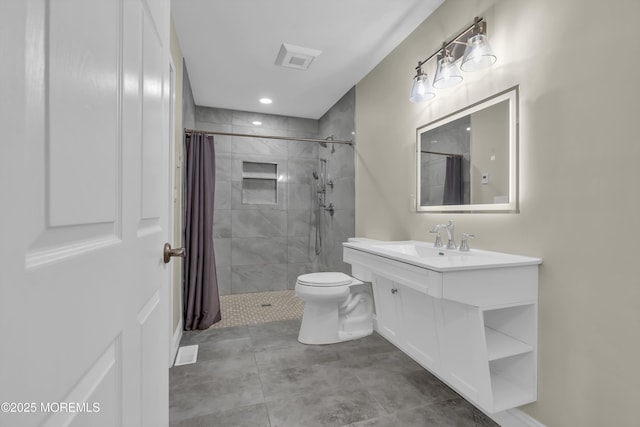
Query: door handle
[
  {"x": 394, "y": 291},
  {"x": 168, "y": 252}
]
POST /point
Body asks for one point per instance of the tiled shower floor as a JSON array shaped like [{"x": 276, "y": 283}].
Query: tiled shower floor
[{"x": 261, "y": 307}]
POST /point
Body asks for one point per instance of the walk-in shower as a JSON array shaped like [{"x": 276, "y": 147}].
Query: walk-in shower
[{"x": 262, "y": 244}]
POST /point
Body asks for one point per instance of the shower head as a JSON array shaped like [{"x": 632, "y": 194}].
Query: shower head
[
  {"x": 328, "y": 139},
  {"x": 315, "y": 175},
  {"x": 324, "y": 144}
]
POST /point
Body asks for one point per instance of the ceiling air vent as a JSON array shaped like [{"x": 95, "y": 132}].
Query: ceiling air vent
[{"x": 297, "y": 57}]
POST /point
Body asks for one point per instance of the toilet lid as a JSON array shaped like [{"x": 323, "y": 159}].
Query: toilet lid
[{"x": 324, "y": 279}]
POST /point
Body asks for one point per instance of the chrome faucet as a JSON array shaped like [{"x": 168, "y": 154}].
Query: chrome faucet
[
  {"x": 451, "y": 244},
  {"x": 436, "y": 230}
]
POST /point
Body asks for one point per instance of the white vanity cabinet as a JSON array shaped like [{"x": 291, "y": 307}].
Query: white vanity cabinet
[
  {"x": 474, "y": 328},
  {"x": 404, "y": 315}
]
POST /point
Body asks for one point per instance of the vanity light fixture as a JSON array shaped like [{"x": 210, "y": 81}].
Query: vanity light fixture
[{"x": 477, "y": 55}]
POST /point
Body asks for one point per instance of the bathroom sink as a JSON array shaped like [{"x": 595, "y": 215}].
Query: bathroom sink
[
  {"x": 423, "y": 254},
  {"x": 416, "y": 249}
]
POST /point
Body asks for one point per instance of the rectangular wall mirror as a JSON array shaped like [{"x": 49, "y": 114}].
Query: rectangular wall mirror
[{"x": 468, "y": 160}]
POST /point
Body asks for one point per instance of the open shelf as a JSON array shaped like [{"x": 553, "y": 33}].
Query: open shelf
[
  {"x": 259, "y": 183},
  {"x": 513, "y": 381},
  {"x": 258, "y": 175},
  {"x": 500, "y": 345},
  {"x": 511, "y": 339},
  {"x": 507, "y": 394},
  {"x": 258, "y": 170}
]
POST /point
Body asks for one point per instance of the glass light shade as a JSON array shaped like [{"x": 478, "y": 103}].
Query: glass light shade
[
  {"x": 478, "y": 54},
  {"x": 421, "y": 90},
  {"x": 447, "y": 74}
]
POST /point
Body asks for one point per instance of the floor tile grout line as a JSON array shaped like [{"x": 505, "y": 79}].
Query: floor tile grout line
[{"x": 264, "y": 400}]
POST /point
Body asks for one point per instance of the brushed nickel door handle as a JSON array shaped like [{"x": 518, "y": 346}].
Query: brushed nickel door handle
[{"x": 168, "y": 252}]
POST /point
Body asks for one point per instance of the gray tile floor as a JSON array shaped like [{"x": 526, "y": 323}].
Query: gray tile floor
[{"x": 260, "y": 375}]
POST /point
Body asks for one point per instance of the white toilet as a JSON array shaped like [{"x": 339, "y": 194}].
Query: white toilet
[{"x": 337, "y": 308}]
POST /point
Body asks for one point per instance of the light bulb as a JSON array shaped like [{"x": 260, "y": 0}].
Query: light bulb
[
  {"x": 478, "y": 54},
  {"x": 421, "y": 90},
  {"x": 447, "y": 73}
]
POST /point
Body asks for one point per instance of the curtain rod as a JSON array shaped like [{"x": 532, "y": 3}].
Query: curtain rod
[
  {"x": 286, "y": 138},
  {"x": 441, "y": 154}
]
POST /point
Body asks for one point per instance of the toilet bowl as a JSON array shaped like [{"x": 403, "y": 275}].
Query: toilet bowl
[{"x": 337, "y": 308}]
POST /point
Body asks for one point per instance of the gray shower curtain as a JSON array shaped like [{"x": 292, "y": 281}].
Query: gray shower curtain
[
  {"x": 200, "y": 287},
  {"x": 453, "y": 184}
]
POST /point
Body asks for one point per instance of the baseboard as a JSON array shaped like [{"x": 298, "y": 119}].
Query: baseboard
[
  {"x": 175, "y": 344},
  {"x": 515, "y": 418}
]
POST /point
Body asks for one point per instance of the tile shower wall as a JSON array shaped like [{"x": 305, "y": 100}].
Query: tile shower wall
[
  {"x": 338, "y": 122},
  {"x": 262, "y": 247},
  {"x": 265, "y": 247}
]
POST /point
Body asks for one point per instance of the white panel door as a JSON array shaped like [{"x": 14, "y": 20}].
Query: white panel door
[{"x": 83, "y": 218}]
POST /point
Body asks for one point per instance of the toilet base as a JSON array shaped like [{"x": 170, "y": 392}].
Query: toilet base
[
  {"x": 319, "y": 324},
  {"x": 324, "y": 323}
]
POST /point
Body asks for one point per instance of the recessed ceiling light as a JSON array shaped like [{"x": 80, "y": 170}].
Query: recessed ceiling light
[
  {"x": 266, "y": 100},
  {"x": 256, "y": 123}
]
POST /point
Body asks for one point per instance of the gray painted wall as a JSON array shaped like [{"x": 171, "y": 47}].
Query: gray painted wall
[{"x": 188, "y": 104}]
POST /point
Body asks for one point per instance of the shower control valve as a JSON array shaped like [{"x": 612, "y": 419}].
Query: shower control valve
[{"x": 331, "y": 209}]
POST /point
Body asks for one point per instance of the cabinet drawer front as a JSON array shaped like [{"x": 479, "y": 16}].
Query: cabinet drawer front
[
  {"x": 492, "y": 287},
  {"x": 420, "y": 279}
]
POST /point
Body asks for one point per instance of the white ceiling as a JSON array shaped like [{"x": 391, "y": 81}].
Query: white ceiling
[{"x": 230, "y": 48}]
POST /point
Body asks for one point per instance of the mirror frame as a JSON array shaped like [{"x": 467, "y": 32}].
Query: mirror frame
[{"x": 511, "y": 95}]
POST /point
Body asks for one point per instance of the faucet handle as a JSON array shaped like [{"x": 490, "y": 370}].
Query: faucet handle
[
  {"x": 464, "y": 245},
  {"x": 436, "y": 230}
]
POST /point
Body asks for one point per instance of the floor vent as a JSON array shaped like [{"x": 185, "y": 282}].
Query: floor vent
[{"x": 187, "y": 355}]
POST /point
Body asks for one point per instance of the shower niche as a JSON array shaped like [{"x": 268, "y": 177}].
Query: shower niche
[{"x": 259, "y": 183}]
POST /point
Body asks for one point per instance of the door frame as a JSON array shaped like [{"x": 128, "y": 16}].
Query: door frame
[{"x": 174, "y": 335}]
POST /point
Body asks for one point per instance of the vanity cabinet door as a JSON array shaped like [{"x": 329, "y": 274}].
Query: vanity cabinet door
[
  {"x": 387, "y": 308},
  {"x": 419, "y": 327},
  {"x": 460, "y": 328}
]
